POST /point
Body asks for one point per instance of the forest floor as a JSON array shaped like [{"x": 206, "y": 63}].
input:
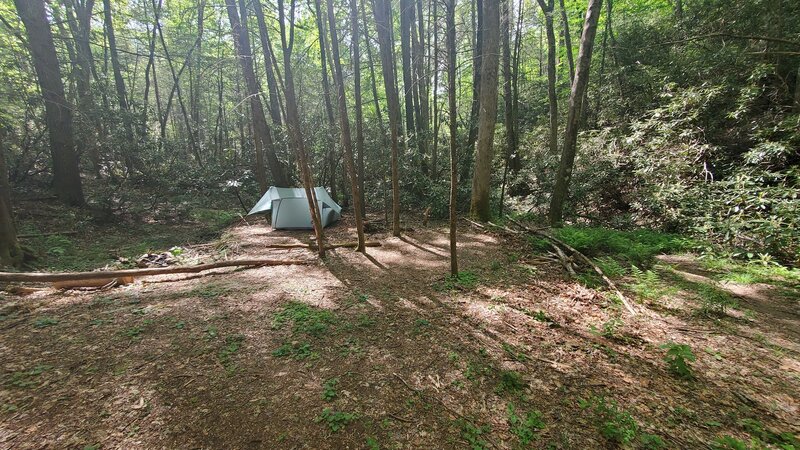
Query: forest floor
[{"x": 384, "y": 351}]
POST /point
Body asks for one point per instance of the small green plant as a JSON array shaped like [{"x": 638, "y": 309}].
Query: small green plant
[
  {"x": 677, "y": 358},
  {"x": 648, "y": 285},
  {"x": 45, "y": 322},
  {"x": 729, "y": 443},
  {"x": 134, "y": 333},
  {"x": 651, "y": 442},
  {"x": 714, "y": 301},
  {"x": 297, "y": 350},
  {"x": 372, "y": 443},
  {"x": 609, "y": 328},
  {"x": 305, "y": 319},
  {"x": 27, "y": 378},
  {"x": 420, "y": 326},
  {"x": 525, "y": 428},
  {"x": 515, "y": 354},
  {"x": 510, "y": 382},
  {"x": 232, "y": 345},
  {"x": 465, "y": 280},
  {"x": 616, "y": 424},
  {"x": 211, "y": 332},
  {"x": 329, "y": 389},
  {"x": 336, "y": 420},
  {"x": 472, "y": 434}
]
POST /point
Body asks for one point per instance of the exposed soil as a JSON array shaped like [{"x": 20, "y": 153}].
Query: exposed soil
[{"x": 187, "y": 361}]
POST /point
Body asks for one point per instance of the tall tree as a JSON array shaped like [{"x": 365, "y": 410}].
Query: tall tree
[
  {"x": 574, "y": 113},
  {"x": 477, "y": 62},
  {"x": 567, "y": 41},
  {"x": 10, "y": 250},
  {"x": 547, "y": 10},
  {"x": 508, "y": 97},
  {"x": 294, "y": 125},
  {"x": 359, "y": 110},
  {"x": 421, "y": 83},
  {"x": 263, "y": 136},
  {"x": 450, "y": 10},
  {"x": 326, "y": 91},
  {"x": 269, "y": 59},
  {"x": 406, "y": 23},
  {"x": 119, "y": 84},
  {"x": 383, "y": 19},
  {"x": 484, "y": 145},
  {"x": 58, "y": 115},
  {"x": 344, "y": 128}
]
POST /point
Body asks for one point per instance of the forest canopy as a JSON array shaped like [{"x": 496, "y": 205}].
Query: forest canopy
[{"x": 678, "y": 115}]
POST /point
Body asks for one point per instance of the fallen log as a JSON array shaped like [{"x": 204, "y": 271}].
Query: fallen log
[
  {"x": 327, "y": 247},
  {"x": 43, "y": 277},
  {"x": 583, "y": 258}
]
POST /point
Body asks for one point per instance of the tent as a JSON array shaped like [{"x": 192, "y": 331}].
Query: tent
[{"x": 289, "y": 207}]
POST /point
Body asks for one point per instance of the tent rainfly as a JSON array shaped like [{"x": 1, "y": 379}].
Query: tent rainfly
[{"x": 289, "y": 207}]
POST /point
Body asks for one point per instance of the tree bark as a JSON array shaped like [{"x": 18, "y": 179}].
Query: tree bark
[
  {"x": 263, "y": 136},
  {"x": 359, "y": 112},
  {"x": 547, "y": 10},
  {"x": 58, "y": 115},
  {"x": 450, "y": 10},
  {"x": 508, "y": 97},
  {"x": 477, "y": 61},
  {"x": 574, "y": 114},
  {"x": 383, "y": 20},
  {"x": 567, "y": 41},
  {"x": 406, "y": 23},
  {"x": 294, "y": 125},
  {"x": 10, "y": 251},
  {"x": 434, "y": 172},
  {"x": 484, "y": 149},
  {"x": 266, "y": 48},
  {"x": 326, "y": 90},
  {"x": 344, "y": 129},
  {"x": 119, "y": 84}
]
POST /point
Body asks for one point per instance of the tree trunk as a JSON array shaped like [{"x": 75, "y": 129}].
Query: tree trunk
[
  {"x": 450, "y": 10},
  {"x": 477, "y": 60},
  {"x": 263, "y": 136},
  {"x": 567, "y": 41},
  {"x": 406, "y": 23},
  {"x": 58, "y": 115},
  {"x": 359, "y": 113},
  {"x": 421, "y": 83},
  {"x": 481, "y": 181},
  {"x": 344, "y": 128},
  {"x": 574, "y": 114},
  {"x": 547, "y": 10},
  {"x": 508, "y": 97},
  {"x": 266, "y": 48},
  {"x": 80, "y": 25},
  {"x": 383, "y": 20},
  {"x": 326, "y": 90},
  {"x": 435, "y": 138},
  {"x": 294, "y": 125},
  {"x": 371, "y": 63},
  {"x": 10, "y": 251},
  {"x": 119, "y": 84},
  {"x": 516, "y": 160}
]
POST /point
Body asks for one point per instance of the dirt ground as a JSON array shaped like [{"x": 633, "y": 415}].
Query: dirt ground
[{"x": 235, "y": 359}]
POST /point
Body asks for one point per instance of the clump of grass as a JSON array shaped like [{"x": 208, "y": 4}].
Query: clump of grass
[
  {"x": 44, "y": 322},
  {"x": 305, "y": 319},
  {"x": 28, "y": 378},
  {"x": 637, "y": 247},
  {"x": 232, "y": 345}
]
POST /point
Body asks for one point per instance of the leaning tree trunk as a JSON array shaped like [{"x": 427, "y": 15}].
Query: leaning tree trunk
[
  {"x": 10, "y": 250},
  {"x": 294, "y": 125},
  {"x": 450, "y": 10},
  {"x": 263, "y": 135},
  {"x": 344, "y": 129},
  {"x": 58, "y": 115},
  {"x": 383, "y": 19},
  {"x": 574, "y": 114},
  {"x": 484, "y": 149},
  {"x": 547, "y": 10},
  {"x": 266, "y": 48},
  {"x": 567, "y": 41}
]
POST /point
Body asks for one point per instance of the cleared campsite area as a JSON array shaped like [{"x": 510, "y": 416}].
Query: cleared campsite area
[{"x": 382, "y": 351}]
